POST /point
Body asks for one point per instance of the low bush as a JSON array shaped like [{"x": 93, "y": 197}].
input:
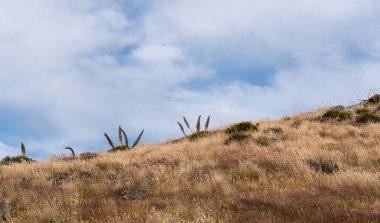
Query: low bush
[
  {"x": 335, "y": 114},
  {"x": 363, "y": 110},
  {"x": 367, "y": 117},
  {"x": 374, "y": 99},
  {"x": 238, "y": 137},
  {"x": 242, "y": 127}
]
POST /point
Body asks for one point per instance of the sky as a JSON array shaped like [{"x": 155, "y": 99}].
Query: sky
[{"x": 71, "y": 70}]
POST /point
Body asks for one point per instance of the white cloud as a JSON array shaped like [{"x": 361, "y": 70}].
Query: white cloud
[
  {"x": 157, "y": 53},
  {"x": 6, "y": 150},
  {"x": 79, "y": 68}
]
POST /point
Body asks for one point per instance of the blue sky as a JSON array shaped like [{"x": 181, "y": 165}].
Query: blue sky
[{"x": 71, "y": 70}]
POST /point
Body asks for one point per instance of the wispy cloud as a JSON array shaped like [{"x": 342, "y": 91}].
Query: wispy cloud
[{"x": 70, "y": 70}]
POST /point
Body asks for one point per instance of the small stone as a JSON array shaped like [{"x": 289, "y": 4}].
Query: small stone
[
  {"x": 133, "y": 194},
  {"x": 4, "y": 208},
  {"x": 128, "y": 181},
  {"x": 60, "y": 179},
  {"x": 151, "y": 181}
]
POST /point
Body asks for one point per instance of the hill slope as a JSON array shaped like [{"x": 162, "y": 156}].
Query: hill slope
[{"x": 311, "y": 167}]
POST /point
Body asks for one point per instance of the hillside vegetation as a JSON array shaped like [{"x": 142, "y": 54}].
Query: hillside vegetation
[{"x": 321, "y": 166}]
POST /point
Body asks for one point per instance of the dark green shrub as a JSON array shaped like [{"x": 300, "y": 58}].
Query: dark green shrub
[
  {"x": 238, "y": 137},
  {"x": 363, "y": 110},
  {"x": 242, "y": 127},
  {"x": 367, "y": 117},
  {"x": 374, "y": 99},
  {"x": 335, "y": 114},
  {"x": 377, "y": 110},
  {"x": 324, "y": 166},
  {"x": 15, "y": 159}
]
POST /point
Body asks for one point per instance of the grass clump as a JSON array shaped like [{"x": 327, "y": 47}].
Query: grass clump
[
  {"x": 324, "y": 166},
  {"x": 263, "y": 141},
  {"x": 365, "y": 115},
  {"x": 336, "y": 114},
  {"x": 374, "y": 99},
  {"x": 238, "y": 137},
  {"x": 242, "y": 127}
]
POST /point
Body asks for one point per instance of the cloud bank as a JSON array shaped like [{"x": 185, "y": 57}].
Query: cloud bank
[{"x": 71, "y": 70}]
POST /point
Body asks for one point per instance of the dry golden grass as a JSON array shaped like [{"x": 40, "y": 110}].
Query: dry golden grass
[{"x": 208, "y": 181}]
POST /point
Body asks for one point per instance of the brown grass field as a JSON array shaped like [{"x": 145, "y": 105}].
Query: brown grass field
[{"x": 296, "y": 169}]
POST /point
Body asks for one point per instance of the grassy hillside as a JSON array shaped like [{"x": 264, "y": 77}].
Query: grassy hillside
[{"x": 322, "y": 166}]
